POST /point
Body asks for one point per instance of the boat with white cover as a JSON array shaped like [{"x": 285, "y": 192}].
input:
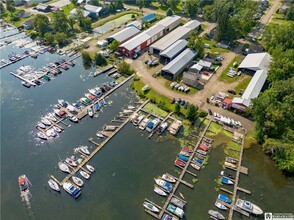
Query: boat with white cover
[
  {"x": 90, "y": 168},
  {"x": 84, "y": 174},
  {"x": 159, "y": 191},
  {"x": 78, "y": 181},
  {"x": 53, "y": 185},
  {"x": 63, "y": 167}
]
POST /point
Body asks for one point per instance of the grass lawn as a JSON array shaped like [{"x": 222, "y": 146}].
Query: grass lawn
[
  {"x": 243, "y": 84},
  {"x": 250, "y": 140},
  {"x": 152, "y": 108},
  {"x": 280, "y": 19},
  {"x": 232, "y": 153},
  {"x": 224, "y": 77},
  {"x": 66, "y": 9},
  {"x": 192, "y": 90}
]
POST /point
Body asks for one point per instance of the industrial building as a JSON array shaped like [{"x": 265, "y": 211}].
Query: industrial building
[
  {"x": 254, "y": 62},
  {"x": 124, "y": 35},
  {"x": 144, "y": 39},
  {"x": 172, "y": 51},
  {"x": 177, "y": 65}
]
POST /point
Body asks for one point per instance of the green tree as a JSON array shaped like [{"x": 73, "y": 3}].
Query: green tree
[
  {"x": 196, "y": 43},
  {"x": 74, "y": 2},
  {"x": 191, "y": 112},
  {"x": 86, "y": 58},
  {"x": 100, "y": 60},
  {"x": 61, "y": 38},
  {"x": 133, "y": 16},
  {"x": 169, "y": 12},
  {"x": 41, "y": 24},
  {"x": 114, "y": 45},
  {"x": 10, "y": 6},
  {"x": 191, "y": 7},
  {"x": 94, "y": 2},
  {"x": 2, "y": 9},
  {"x": 71, "y": 23},
  {"x": 86, "y": 24},
  {"x": 119, "y": 4},
  {"x": 60, "y": 22},
  {"x": 290, "y": 13},
  {"x": 173, "y": 4},
  {"x": 49, "y": 38},
  {"x": 177, "y": 108},
  {"x": 124, "y": 68}
]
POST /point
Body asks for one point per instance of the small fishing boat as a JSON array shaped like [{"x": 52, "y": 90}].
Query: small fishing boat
[
  {"x": 220, "y": 206},
  {"x": 78, "y": 181},
  {"x": 175, "y": 210},
  {"x": 41, "y": 125},
  {"x": 90, "y": 168},
  {"x": 162, "y": 128},
  {"x": 202, "y": 147},
  {"x": 195, "y": 166},
  {"x": 149, "y": 206},
  {"x": 53, "y": 185},
  {"x": 187, "y": 149},
  {"x": 230, "y": 165},
  {"x": 71, "y": 162},
  {"x": 90, "y": 112},
  {"x": 51, "y": 117},
  {"x": 130, "y": 107},
  {"x": 84, "y": 174},
  {"x": 168, "y": 178},
  {"x": 200, "y": 156},
  {"x": 231, "y": 160},
  {"x": 183, "y": 158},
  {"x": 165, "y": 185},
  {"x": 249, "y": 207},
  {"x": 159, "y": 191},
  {"x": 223, "y": 198},
  {"x": 45, "y": 121},
  {"x": 96, "y": 107},
  {"x": 57, "y": 129},
  {"x": 51, "y": 132},
  {"x": 216, "y": 214},
  {"x": 138, "y": 120},
  {"x": 42, "y": 136},
  {"x": 198, "y": 161},
  {"x": 225, "y": 180},
  {"x": 99, "y": 135},
  {"x": 62, "y": 166},
  {"x": 71, "y": 189},
  {"x": 62, "y": 103},
  {"x": 224, "y": 173},
  {"x": 185, "y": 153},
  {"x": 73, "y": 119},
  {"x": 143, "y": 124},
  {"x": 180, "y": 163},
  {"x": 84, "y": 149},
  {"x": 201, "y": 152},
  {"x": 23, "y": 183},
  {"x": 177, "y": 202}
]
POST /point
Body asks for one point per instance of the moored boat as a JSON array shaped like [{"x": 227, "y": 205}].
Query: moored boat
[
  {"x": 99, "y": 135},
  {"x": 62, "y": 166},
  {"x": 177, "y": 202},
  {"x": 220, "y": 206},
  {"x": 150, "y": 207},
  {"x": 41, "y": 125},
  {"x": 62, "y": 103},
  {"x": 53, "y": 185},
  {"x": 138, "y": 120},
  {"x": 249, "y": 207},
  {"x": 166, "y": 185},
  {"x": 51, "y": 132},
  {"x": 202, "y": 147},
  {"x": 90, "y": 112},
  {"x": 230, "y": 165},
  {"x": 143, "y": 124},
  {"x": 195, "y": 166},
  {"x": 74, "y": 119},
  {"x": 23, "y": 183},
  {"x": 84, "y": 174},
  {"x": 152, "y": 125},
  {"x": 227, "y": 181},
  {"x": 179, "y": 163},
  {"x": 175, "y": 210},
  {"x": 57, "y": 129},
  {"x": 159, "y": 191},
  {"x": 71, "y": 162},
  {"x": 162, "y": 128},
  {"x": 78, "y": 181},
  {"x": 42, "y": 136},
  {"x": 90, "y": 168},
  {"x": 226, "y": 174},
  {"x": 183, "y": 158},
  {"x": 51, "y": 117},
  {"x": 201, "y": 152},
  {"x": 231, "y": 160},
  {"x": 84, "y": 149},
  {"x": 45, "y": 121},
  {"x": 187, "y": 149},
  {"x": 185, "y": 153},
  {"x": 216, "y": 214},
  {"x": 200, "y": 156},
  {"x": 168, "y": 178},
  {"x": 223, "y": 198},
  {"x": 71, "y": 189},
  {"x": 198, "y": 161}
]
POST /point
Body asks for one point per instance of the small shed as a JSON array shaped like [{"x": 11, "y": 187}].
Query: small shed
[
  {"x": 196, "y": 68},
  {"x": 102, "y": 44},
  {"x": 73, "y": 13},
  {"x": 205, "y": 64},
  {"x": 190, "y": 79},
  {"x": 149, "y": 17},
  {"x": 43, "y": 8},
  {"x": 95, "y": 11}
]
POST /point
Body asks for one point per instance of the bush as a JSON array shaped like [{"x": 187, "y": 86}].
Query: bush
[
  {"x": 202, "y": 114},
  {"x": 33, "y": 35}
]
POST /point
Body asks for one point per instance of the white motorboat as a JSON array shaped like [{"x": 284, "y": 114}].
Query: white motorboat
[
  {"x": 50, "y": 117},
  {"x": 84, "y": 174},
  {"x": 99, "y": 135},
  {"x": 220, "y": 206},
  {"x": 71, "y": 162},
  {"x": 45, "y": 121},
  {"x": 53, "y": 185},
  {"x": 166, "y": 185},
  {"x": 150, "y": 207},
  {"x": 41, "y": 125},
  {"x": 216, "y": 214},
  {"x": 51, "y": 133},
  {"x": 90, "y": 168},
  {"x": 138, "y": 120},
  {"x": 130, "y": 107},
  {"x": 71, "y": 189},
  {"x": 90, "y": 112},
  {"x": 127, "y": 111},
  {"x": 143, "y": 124},
  {"x": 249, "y": 207},
  {"x": 84, "y": 149},
  {"x": 78, "y": 181},
  {"x": 168, "y": 178},
  {"x": 159, "y": 191},
  {"x": 57, "y": 129},
  {"x": 42, "y": 136},
  {"x": 62, "y": 166},
  {"x": 74, "y": 119}
]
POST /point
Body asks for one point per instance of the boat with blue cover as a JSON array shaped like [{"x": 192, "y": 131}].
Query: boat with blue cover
[
  {"x": 71, "y": 189},
  {"x": 101, "y": 102},
  {"x": 96, "y": 107},
  {"x": 198, "y": 161},
  {"x": 223, "y": 198},
  {"x": 166, "y": 185},
  {"x": 175, "y": 210},
  {"x": 183, "y": 158},
  {"x": 225, "y": 180}
]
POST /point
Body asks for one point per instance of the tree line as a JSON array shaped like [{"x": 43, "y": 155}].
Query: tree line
[{"x": 273, "y": 110}]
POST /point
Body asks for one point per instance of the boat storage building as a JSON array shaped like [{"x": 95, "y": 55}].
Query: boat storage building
[
  {"x": 177, "y": 65},
  {"x": 144, "y": 39},
  {"x": 124, "y": 35},
  {"x": 254, "y": 62},
  {"x": 172, "y": 51},
  {"x": 182, "y": 32}
]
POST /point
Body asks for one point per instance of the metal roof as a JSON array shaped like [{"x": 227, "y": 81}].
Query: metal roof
[
  {"x": 193, "y": 24},
  {"x": 205, "y": 63},
  {"x": 172, "y": 50},
  {"x": 74, "y": 11},
  {"x": 256, "y": 61},
  {"x": 136, "y": 23},
  {"x": 171, "y": 38},
  {"x": 154, "y": 30},
  {"x": 180, "y": 62},
  {"x": 190, "y": 76},
  {"x": 124, "y": 34},
  {"x": 169, "y": 20},
  {"x": 135, "y": 41},
  {"x": 149, "y": 17},
  {"x": 92, "y": 8}
]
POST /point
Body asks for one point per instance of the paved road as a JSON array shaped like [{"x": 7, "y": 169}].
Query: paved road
[
  {"x": 266, "y": 18},
  {"x": 60, "y": 3}
]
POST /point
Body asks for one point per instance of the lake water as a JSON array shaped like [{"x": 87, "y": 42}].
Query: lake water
[{"x": 125, "y": 167}]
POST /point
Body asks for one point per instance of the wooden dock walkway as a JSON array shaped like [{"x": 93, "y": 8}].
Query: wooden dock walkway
[
  {"x": 96, "y": 150},
  {"x": 244, "y": 190}
]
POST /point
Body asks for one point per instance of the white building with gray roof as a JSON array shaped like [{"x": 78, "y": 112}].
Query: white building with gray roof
[{"x": 172, "y": 51}]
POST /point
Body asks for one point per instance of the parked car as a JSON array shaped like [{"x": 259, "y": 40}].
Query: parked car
[
  {"x": 172, "y": 101},
  {"x": 209, "y": 111},
  {"x": 146, "y": 61},
  {"x": 135, "y": 56},
  {"x": 178, "y": 100},
  {"x": 232, "y": 91},
  {"x": 183, "y": 102},
  {"x": 186, "y": 105}
]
